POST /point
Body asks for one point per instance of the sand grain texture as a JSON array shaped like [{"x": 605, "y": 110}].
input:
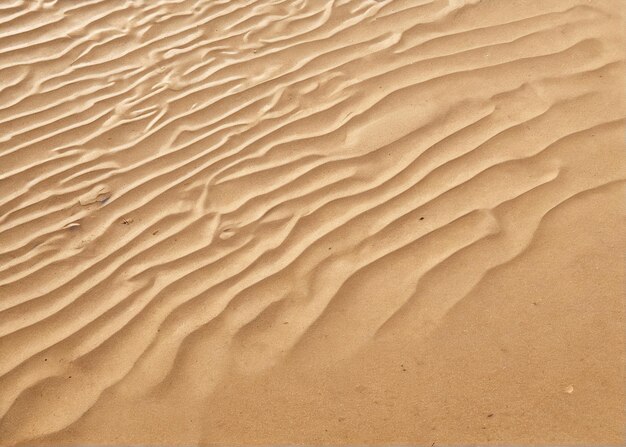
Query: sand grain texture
[{"x": 312, "y": 221}]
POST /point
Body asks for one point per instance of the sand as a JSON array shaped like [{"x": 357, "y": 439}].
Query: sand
[{"x": 312, "y": 221}]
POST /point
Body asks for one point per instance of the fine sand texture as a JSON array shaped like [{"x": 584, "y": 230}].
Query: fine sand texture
[{"x": 312, "y": 222}]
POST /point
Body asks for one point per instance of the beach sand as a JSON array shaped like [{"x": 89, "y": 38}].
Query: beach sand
[{"x": 312, "y": 221}]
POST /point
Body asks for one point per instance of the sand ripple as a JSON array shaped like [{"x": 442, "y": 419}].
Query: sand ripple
[{"x": 196, "y": 189}]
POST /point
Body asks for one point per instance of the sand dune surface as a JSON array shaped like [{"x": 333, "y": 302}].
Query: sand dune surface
[{"x": 312, "y": 221}]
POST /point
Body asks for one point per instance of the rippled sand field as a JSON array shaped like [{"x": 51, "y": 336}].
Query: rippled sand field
[{"x": 312, "y": 221}]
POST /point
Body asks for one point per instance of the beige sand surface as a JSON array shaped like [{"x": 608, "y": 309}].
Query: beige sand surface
[{"x": 312, "y": 221}]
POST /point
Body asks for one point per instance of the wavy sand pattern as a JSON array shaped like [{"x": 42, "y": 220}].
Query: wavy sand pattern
[{"x": 314, "y": 221}]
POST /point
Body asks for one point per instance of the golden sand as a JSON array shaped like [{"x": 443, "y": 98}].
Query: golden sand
[{"x": 312, "y": 221}]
